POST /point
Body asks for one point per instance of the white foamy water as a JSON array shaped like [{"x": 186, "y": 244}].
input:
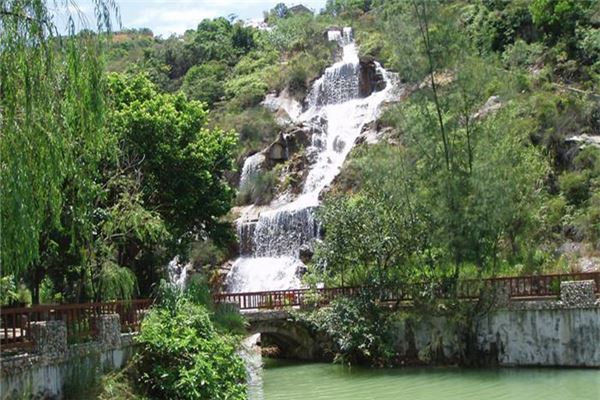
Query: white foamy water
[
  {"x": 339, "y": 114},
  {"x": 258, "y": 274},
  {"x": 251, "y": 168},
  {"x": 177, "y": 273}
]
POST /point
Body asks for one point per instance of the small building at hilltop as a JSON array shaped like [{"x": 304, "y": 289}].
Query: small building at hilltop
[{"x": 299, "y": 9}]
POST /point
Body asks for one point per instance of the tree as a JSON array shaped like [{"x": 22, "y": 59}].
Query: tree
[
  {"x": 559, "y": 18},
  {"x": 464, "y": 181},
  {"x": 46, "y": 120},
  {"x": 205, "y": 82},
  {"x": 181, "y": 161},
  {"x": 342, "y": 8},
  {"x": 280, "y": 10}
]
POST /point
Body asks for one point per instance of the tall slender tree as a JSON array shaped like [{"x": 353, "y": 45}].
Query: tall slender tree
[{"x": 51, "y": 113}]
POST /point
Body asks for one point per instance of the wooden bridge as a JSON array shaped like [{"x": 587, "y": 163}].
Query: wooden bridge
[
  {"x": 15, "y": 323},
  {"x": 516, "y": 288}
]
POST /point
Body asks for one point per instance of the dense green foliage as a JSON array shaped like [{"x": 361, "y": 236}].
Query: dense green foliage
[
  {"x": 182, "y": 356},
  {"x": 104, "y": 179},
  {"x": 185, "y": 350},
  {"x": 230, "y": 66},
  {"x": 50, "y": 125},
  {"x": 477, "y": 178},
  {"x": 360, "y": 330}
]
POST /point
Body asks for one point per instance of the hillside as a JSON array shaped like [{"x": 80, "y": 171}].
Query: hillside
[{"x": 517, "y": 53}]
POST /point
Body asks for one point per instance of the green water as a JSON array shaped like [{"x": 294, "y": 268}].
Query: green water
[{"x": 291, "y": 381}]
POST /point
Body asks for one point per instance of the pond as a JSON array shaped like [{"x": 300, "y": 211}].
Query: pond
[{"x": 291, "y": 381}]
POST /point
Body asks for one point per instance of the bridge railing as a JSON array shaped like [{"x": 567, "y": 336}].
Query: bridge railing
[
  {"x": 516, "y": 287},
  {"x": 15, "y": 323}
]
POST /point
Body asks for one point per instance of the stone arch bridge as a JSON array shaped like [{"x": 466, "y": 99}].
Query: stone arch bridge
[{"x": 293, "y": 338}]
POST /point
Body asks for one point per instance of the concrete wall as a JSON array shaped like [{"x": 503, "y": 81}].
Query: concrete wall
[
  {"x": 545, "y": 337},
  {"x": 53, "y": 367},
  {"x": 562, "y": 333}
]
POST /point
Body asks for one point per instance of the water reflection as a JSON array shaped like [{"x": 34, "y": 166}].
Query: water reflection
[{"x": 290, "y": 381}]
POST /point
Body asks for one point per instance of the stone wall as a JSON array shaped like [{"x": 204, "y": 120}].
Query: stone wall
[
  {"x": 560, "y": 333},
  {"x": 53, "y": 366},
  {"x": 552, "y": 333}
]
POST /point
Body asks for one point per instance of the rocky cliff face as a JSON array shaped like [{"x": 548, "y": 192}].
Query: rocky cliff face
[{"x": 370, "y": 78}]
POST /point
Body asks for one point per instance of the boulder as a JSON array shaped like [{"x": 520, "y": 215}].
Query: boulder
[
  {"x": 306, "y": 253},
  {"x": 277, "y": 151},
  {"x": 491, "y": 105},
  {"x": 370, "y": 80}
]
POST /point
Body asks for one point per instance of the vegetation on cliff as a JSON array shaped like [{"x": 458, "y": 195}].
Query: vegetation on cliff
[{"x": 107, "y": 175}]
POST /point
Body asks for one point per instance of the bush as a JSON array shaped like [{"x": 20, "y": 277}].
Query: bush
[
  {"x": 205, "y": 82},
  {"x": 182, "y": 356},
  {"x": 575, "y": 186},
  {"x": 589, "y": 221},
  {"x": 360, "y": 330},
  {"x": 521, "y": 54},
  {"x": 8, "y": 290},
  {"x": 246, "y": 90}
]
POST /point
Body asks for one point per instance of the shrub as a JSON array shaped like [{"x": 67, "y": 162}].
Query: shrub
[
  {"x": 575, "y": 186},
  {"x": 182, "y": 356},
  {"x": 359, "y": 328},
  {"x": 246, "y": 90},
  {"x": 521, "y": 54},
  {"x": 8, "y": 290},
  {"x": 205, "y": 82}
]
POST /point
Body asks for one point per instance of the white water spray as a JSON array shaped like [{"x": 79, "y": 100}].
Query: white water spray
[{"x": 270, "y": 256}]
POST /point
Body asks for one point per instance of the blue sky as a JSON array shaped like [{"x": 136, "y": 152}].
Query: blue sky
[{"x": 172, "y": 16}]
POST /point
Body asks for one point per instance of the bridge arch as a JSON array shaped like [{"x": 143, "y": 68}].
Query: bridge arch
[{"x": 293, "y": 338}]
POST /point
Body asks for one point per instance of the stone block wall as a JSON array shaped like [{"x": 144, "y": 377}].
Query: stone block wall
[
  {"x": 558, "y": 333},
  {"x": 49, "y": 337},
  {"x": 578, "y": 294},
  {"x": 44, "y": 372}
]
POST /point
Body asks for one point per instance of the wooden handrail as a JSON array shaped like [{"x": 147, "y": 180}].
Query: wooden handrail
[
  {"x": 533, "y": 286},
  {"x": 15, "y": 322}
]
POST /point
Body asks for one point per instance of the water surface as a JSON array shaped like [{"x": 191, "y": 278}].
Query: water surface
[{"x": 291, "y": 381}]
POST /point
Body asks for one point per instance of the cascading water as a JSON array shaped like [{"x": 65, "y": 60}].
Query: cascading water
[
  {"x": 271, "y": 244},
  {"x": 251, "y": 168},
  {"x": 177, "y": 273}
]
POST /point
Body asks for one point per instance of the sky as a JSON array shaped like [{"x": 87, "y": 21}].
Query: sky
[{"x": 176, "y": 16}]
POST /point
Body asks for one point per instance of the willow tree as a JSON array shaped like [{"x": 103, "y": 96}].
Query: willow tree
[{"x": 51, "y": 115}]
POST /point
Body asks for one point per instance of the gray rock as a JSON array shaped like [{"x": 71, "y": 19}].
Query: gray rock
[
  {"x": 306, "y": 253},
  {"x": 276, "y": 152},
  {"x": 589, "y": 264}
]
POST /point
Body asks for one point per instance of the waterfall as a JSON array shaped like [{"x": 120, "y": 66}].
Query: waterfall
[
  {"x": 251, "y": 168},
  {"x": 250, "y": 353},
  {"x": 177, "y": 273},
  {"x": 271, "y": 242}
]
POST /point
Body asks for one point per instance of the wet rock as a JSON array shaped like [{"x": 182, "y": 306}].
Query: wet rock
[
  {"x": 370, "y": 80},
  {"x": 246, "y": 235},
  {"x": 284, "y": 105},
  {"x": 277, "y": 151},
  {"x": 306, "y": 253},
  {"x": 297, "y": 138},
  {"x": 491, "y": 105},
  {"x": 301, "y": 270}
]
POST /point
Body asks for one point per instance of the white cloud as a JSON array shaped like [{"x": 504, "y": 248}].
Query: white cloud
[
  {"x": 166, "y": 17},
  {"x": 164, "y": 20},
  {"x": 176, "y": 16}
]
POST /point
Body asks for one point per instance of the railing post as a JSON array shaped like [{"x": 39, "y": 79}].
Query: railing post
[
  {"x": 49, "y": 337},
  {"x": 107, "y": 328}
]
